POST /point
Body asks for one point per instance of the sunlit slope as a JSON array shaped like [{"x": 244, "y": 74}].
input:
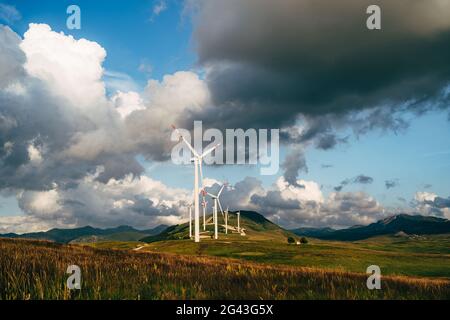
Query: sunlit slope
[{"x": 253, "y": 226}]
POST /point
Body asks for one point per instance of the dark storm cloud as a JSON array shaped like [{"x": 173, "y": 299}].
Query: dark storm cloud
[{"x": 270, "y": 61}]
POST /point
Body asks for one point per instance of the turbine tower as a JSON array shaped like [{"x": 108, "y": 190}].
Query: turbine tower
[
  {"x": 238, "y": 221},
  {"x": 204, "y": 203},
  {"x": 216, "y": 202},
  {"x": 198, "y": 159},
  {"x": 190, "y": 221}
]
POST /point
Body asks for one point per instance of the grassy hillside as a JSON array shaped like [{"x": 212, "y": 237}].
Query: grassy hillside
[
  {"x": 36, "y": 270},
  {"x": 255, "y": 227},
  {"x": 428, "y": 257}
]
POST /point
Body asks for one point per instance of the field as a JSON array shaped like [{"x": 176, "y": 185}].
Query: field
[
  {"x": 36, "y": 270},
  {"x": 429, "y": 257}
]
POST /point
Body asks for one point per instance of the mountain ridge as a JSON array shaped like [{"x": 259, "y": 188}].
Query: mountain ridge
[
  {"x": 408, "y": 224},
  {"x": 257, "y": 228},
  {"x": 69, "y": 235}
]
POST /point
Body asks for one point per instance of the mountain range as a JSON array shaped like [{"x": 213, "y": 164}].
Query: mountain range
[
  {"x": 253, "y": 225},
  {"x": 402, "y": 223},
  {"x": 89, "y": 234}
]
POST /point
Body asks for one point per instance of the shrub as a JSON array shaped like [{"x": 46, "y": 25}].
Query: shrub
[{"x": 290, "y": 240}]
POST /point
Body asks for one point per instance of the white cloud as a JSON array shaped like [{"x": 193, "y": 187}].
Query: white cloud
[
  {"x": 71, "y": 68},
  {"x": 303, "y": 191},
  {"x": 127, "y": 102},
  {"x": 40, "y": 203},
  {"x": 34, "y": 154},
  {"x": 425, "y": 196}
]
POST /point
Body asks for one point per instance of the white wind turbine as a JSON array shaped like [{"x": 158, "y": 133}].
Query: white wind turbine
[
  {"x": 190, "y": 221},
  {"x": 238, "y": 221},
  {"x": 226, "y": 221},
  {"x": 197, "y": 158},
  {"x": 204, "y": 204},
  {"x": 216, "y": 203}
]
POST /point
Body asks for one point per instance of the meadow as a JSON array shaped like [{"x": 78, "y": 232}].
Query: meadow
[
  {"x": 36, "y": 270},
  {"x": 427, "y": 257}
]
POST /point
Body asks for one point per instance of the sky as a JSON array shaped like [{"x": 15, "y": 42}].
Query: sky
[{"x": 85, "y": 114}]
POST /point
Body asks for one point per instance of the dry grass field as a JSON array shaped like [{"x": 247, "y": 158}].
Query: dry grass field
[{"x": 36, "y": 270}]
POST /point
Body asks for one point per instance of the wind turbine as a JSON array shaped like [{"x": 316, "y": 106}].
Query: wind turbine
[
  {"x": 197, "y": 158},
  {"x": 216, "y": 202},
  {"x": 226, "y": 221},
  {"x": 238, "y": 220},
  {"x": 204, "y": 203},
  {"x": 190, "y": 221}
]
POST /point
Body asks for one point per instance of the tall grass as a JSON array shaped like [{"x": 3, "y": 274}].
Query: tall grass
[{"x": 36, "y": 270}]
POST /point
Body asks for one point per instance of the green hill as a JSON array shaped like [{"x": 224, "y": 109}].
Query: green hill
[{"x": 253, "y": 225}]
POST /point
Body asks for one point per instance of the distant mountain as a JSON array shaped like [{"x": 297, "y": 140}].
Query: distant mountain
[
  {"x": 89, "y": 234},
  {"x": 313, "y": 232},
  {"x": 398, "y": 224},
  {"x": 254, "y": 227}
]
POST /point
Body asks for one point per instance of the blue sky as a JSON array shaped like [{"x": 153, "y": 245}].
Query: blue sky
[
  {"x": 143, "y": 45},
  {"x": 129, "y": 31}
]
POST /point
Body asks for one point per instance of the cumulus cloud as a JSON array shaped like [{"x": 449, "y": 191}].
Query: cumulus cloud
[
  {"x": 58, "y": 125},
  {"x": 70, "y": 131},
  {"x": 428, "y": 203},
  {"x": 138, "y": 201},
  {"x": 303, "y": 204}
]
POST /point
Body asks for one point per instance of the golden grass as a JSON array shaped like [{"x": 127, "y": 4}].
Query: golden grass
[{"x": 36, "y": 270}]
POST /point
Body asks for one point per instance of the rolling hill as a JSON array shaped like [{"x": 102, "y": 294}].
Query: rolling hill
[
  {"x": 254, "y": 225},
  {"x": 402, "y": 223},
  {"x": 88, "y": 234}
]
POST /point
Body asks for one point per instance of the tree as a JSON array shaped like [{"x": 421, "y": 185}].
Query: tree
[
  {"x": 303, "y": 240},
  {"x": 290, "y": 240}
]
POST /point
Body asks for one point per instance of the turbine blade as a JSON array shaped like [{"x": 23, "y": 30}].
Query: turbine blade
[
  {"x": 209, "y": 150},
  {"x": 185, "y": 141},
  {"x": 220, "y": 191},
  {"x": 220, "y": 206},
  {"x": 211, "y": 195}
]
